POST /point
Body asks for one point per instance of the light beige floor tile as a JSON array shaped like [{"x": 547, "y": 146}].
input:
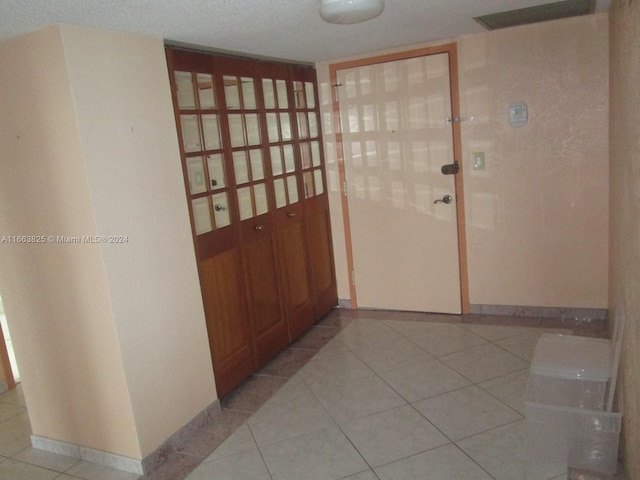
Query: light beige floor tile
[
  {"x": 292, "y": 411},
  {"x": 14, "y": 397},
  {"x": 368, "y": 475},
  {"x": 424, "y": 379},
  {"x": 323, "y": 455},
  {"x": 497, "y": 332},
  {"x": 444, "y": 463},
  {"x": 15, "y": 435},
  {"x": 14, "y": 470},
  {"x": 503, "y": 453},
  {"x": 509, "y": 388},
  {"x": 438, "y": 338},
  {"x": 348, "y": 399},
  {"x": 484, "y": 362},
  {"x": 334, "y": 361},
  {"x": 52, "y": 461},
  {"x": 467, "y": 411},
  {"x": 406, "y": 433},
  {"x": 8, "y": 411},
  {"x": 93, "y": 471},
  {"x": 521, "y": 345},
  {"x": 383, "y": 355},
  {"x": 362, "y": 331},
  {"x": 246, "y": 466},
  {"x": 238, "y": 442}
]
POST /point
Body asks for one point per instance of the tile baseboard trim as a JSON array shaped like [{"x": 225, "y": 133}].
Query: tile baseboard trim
[
  {"x": 182, "y": 436},
  {"x": 579, "y": 315},
  {"x": 119, "y": 462},
  {"x": 344, "y": 303},
  {"x": 107, "y": 459}
]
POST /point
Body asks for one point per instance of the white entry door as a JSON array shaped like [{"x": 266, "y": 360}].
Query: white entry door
[{"x": 402, "y": 209}]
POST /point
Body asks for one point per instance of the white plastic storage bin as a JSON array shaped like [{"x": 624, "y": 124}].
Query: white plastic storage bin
[
  {"x": 571, "y": 371},
  {"x": 561, "y": 434}
]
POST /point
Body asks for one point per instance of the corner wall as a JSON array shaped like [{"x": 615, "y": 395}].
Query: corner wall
[
  {"x": 537, "y": 216},
  {"x": 111, "y": 337},
  {"x": 625, "y": 212}
]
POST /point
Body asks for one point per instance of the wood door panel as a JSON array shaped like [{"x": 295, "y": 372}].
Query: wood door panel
[
  {"x": 268, "y": 321},
  {"x": 298, "y": 297},
  {"x": 227, "y": 322},
  {"x": 321, "y": 261}
]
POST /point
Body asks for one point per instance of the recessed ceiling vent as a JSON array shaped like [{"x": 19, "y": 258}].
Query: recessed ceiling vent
[{"x": 540, "y": 13}]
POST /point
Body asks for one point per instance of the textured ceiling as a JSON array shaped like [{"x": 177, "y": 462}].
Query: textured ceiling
[{"x": 286, "y": 29}]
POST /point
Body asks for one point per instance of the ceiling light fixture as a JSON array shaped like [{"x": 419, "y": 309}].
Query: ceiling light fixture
[{"x": 350, "y": 11}]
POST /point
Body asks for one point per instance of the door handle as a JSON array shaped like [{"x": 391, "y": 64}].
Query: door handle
[{"x": 446, "y": 199}]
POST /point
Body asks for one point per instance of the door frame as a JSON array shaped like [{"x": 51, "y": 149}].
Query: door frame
[{"x": 452, "y": 50}]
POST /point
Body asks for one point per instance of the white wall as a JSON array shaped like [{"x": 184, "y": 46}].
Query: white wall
[{"x": 537, "y": 216}]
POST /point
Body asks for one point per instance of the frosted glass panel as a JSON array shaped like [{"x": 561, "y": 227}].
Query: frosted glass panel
[
  {"x": 303, "y": 130},
  {"x": 305, "y": 155},
  {"x": 216, "y": 171},
  {"x": 298, "y": 93},
  {"x": 253, "y": 129},
  {"x": 240, "y": 167},
  {"x": 235, "y": 130},
  {"x": 195, "y": 170},
  {"x": 244, "y": 203},
  {"x": 201, "y": 215},
  {"x": 231, "y": 92},
  {"x": 268, "y": 92},
  {"x": 184, "y": 86},
  {"x": 190, "y": 133},
  {"x": 308, "y": 185},
  {"x": 221, "y": 210},
  {"x": 281, "y": 194},
  {"x": 257, "y": 165},
  {"x": 313, "y": 125},
  {"x": 281, "y": 87},
  {"x": 205, "y": 91},
  {"x": 311, "y": 99},
  {"x": 315, "y": 154},
  {"x": 289, "y": 161},
  {"x": 292, "y": 187},
  {"x": 211, "y": 132},
  {"x": 319, "y": 184},
  {"x": 285, "y": 126},
  {"x": 260, "y": 194},
  {"x": 273, "y": 131},
  {"x": 248, "y": 93},
  {"x": 276, "y": 161}
]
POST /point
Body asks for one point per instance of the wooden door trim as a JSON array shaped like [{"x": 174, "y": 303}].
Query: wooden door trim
[{"x": 452, "y": 50}]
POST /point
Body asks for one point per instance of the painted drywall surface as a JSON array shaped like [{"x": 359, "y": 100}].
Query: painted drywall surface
[
  {"x": 55, "y": 294},
  {"x": 537, "y": 215},
  {"x": 625, "y": 213},
  {"x": 121, "y": 92}
]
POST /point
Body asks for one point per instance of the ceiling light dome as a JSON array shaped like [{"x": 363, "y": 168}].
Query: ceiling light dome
[{"x": 350, "y": 11}]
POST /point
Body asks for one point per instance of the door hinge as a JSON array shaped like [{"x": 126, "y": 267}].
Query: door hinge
[
  {"x": 344, "y": 188},
  {"x": 353, "y": 277},
  {"x": 337, "y": 91}
]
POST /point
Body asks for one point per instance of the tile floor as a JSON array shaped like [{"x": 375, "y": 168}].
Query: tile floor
[{"x": 364, "y": 395}]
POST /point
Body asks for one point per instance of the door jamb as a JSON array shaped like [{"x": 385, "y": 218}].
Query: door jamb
[{"x": 452, "y": 50}]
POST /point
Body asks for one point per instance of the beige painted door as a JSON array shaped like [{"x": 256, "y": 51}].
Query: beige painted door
[{"x": 396, "y": 137}]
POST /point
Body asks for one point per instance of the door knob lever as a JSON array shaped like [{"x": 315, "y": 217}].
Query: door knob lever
[{"x": 446, "y": 199}]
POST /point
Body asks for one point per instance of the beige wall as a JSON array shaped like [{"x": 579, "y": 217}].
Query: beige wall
[
  {"x": 625, "y": 211},
  {"x": 111, "y": 340},
  {"x": 55, "y": 296},
  {"x": 537, "y": 215}
]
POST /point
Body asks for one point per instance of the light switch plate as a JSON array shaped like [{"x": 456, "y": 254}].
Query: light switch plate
[{"x": 478, "y": 160}]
